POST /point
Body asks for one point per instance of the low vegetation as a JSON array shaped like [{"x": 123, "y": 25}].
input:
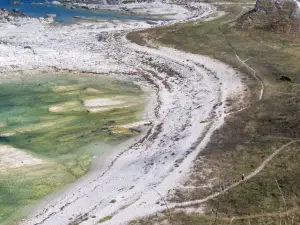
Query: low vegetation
[
  {"x": 105, "y": 219},
  {"x": 248, "y": 137}
]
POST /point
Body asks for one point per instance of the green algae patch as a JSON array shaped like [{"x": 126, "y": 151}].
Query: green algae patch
[
  {"x": 47, "y": 118},
  {"x": 25, "y": 186},
  {"x": 105, "y": 219}
]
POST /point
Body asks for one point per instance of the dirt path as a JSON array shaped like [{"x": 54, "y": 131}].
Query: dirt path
[
  {"x": 249, "y": 176},
  {"x": 189, "y": 89},
  {"x": 266, "y": 161},
  {"x": 243, "y": 62}
]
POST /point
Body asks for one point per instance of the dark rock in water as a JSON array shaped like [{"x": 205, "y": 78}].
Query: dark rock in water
[
  {"x": 111, "y": 121},
  {"x": 3, "y": 139},
  {"x": 15, "y": 3},
  {"x": 281, "y": 16},
  {"x": 135, "y": 130},
  {"x": 152, "y": 22}
]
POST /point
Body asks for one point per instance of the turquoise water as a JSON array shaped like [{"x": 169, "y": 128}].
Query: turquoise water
[
  {"x": 66, "y": 140},
  {"x": 63, "y": 15}
]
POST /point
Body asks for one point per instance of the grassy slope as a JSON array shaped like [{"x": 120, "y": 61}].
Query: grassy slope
[
  {"x": 248, "y": 137},
  {"x": 24, "y": 109}
]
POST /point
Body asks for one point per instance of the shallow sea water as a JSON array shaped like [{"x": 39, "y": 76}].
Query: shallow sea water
[
  {"x": 63, "y": 14},
  {"x": 65, "y": 140}
]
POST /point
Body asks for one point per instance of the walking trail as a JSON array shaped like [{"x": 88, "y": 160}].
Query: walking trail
[{"x": 188, "y": 89}]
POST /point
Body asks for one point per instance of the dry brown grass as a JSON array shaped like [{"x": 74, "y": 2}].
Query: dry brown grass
[{"x": 247, "y": 137}]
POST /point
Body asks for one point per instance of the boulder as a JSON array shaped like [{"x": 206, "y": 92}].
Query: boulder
[
  {"x": 50, "y": 16},
  {"x": 56, "y": 3}
]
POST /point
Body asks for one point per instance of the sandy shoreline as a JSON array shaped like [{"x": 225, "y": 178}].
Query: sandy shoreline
[{"x": 189, "y": 89}]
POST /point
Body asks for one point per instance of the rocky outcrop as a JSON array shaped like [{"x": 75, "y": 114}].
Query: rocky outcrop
[
  {"x": 274, "y": 15},
  {"x": 106, "y": 2},
  {"x": 50, "y": 16},
  {"x": 101, "y": 2},
  {"x": 15, "y": 3},
  {"x": 6, "y": 14}
]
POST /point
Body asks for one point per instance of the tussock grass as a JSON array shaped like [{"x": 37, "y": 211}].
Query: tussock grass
[{"x": 248, "y": 137}]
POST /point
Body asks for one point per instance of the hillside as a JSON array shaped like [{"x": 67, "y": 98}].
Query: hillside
[
  {"x": 282, "y": 16},
  {"x": 260, "y": 141}
]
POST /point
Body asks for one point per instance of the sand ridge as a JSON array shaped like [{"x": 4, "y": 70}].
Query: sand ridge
[
  {"x": 12, "y": 158},
  {"x": 189, "y": 89}
]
